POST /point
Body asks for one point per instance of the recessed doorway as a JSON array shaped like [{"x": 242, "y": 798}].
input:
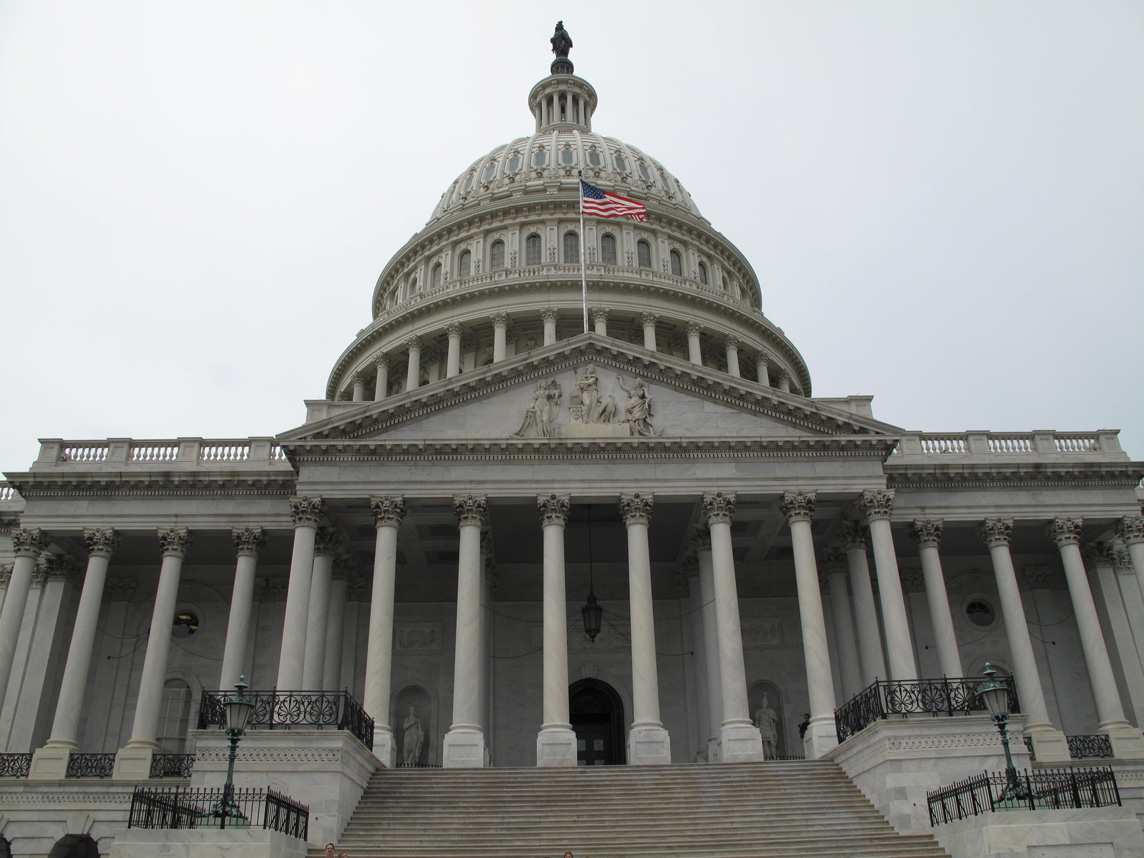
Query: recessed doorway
[{"x": 597, "y": 715}]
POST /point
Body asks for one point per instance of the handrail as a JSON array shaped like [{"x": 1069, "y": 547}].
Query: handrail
[
  {"x": 1045, "y": 789},
  {"x": 182, "y": 807},
  {"x": 281, "y": 710}
]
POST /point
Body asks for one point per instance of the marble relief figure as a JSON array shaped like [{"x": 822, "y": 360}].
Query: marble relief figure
[
  {"x": 593, "y": 409},
  {"x": 540, "y": 416},
  {"x": 638, "y": 410}
]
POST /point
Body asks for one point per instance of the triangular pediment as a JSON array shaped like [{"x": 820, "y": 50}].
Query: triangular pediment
[{"x": 586, "y": 388}]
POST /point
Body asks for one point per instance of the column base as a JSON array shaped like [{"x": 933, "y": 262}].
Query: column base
[
  {"x": 1049, "y": 743},
  {"x": 821, "y": 736},
  {"x": 740, "y": 743},
  {"x": 133, "y": 762},
  {"x": 465, "y": 749},
  {"x": 555, "y": 746},
  {"x": 384, "y": 747},
  {"x": 649, "y": 746},
  {"x": 713, "y": 749},
  {"x": 50, "y": 763},
  {"x": 1127, "y": 742}
]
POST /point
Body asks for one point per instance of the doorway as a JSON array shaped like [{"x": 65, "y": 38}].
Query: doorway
[{"x": 597, "y": 716}]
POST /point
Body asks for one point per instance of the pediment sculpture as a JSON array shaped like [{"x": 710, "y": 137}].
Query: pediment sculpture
[{"x": 591, "y": 412}]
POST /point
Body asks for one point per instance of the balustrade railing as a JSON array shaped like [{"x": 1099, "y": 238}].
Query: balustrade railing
[
  {"x": 1007, "y": 443},
  {"x": 181, "y": 807},
  {"x": 172, "y": 765},
  {"x": 187, "y": 451},
  {"x": 282, "y": 710},
  {"x": 913, "y": 697},
  {"x": 154, "y": 452},
  {"x": 85, "y": 451},
  {"x": 1045, "y": 789},
  {"x": 90, "y": 765},
  {"x": 1089, "y": 747},
  {"x": 8, "y": 492},
  {"x": 15, "y": 765}
]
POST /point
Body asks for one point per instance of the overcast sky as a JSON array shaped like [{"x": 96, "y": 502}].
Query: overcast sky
[{"x": 944, "y": 202}]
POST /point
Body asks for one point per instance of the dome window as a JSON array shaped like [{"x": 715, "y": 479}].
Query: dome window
[
  {"x": 496, "y": 254},
  {"x": 490, "y": 171},
  {"x": 435, "y": 277},
  {"x": 644, "y": 172},
  {"x": 412, "y": 286},
  {"x": 571, "y": 248},
  {"x": 643, "y": 254},
  {"x": 568, "y": 157},
  {"x": 532, "y": 250},
  {"x": 676, "y": 263},
  {"x": 514, "y": 163},
  {"x": 608, "y": 249},
  {"x": 594, "y": 158},
  {"x": 539, "y": 158},
  {"x": 465, "y": 264},
  {"x": 621, "y": 164},
  {"x": 702, "y": 273},
  {"x": 468, "y": 183}
]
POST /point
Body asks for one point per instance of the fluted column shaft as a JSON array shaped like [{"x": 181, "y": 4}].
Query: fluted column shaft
[
  {"x": 314, "y": 658},
  {"x": 453, "y": 361},
  {"x": 732, "y": 347},
  {"x": 548, "y": 317},
  {"x": 865, "y": 611},
  {"x": 28, "y": 543},
  {"x": 645, "y": 677},
  {"x": 694, "y": 351},
  {"x": 307, "y": 513},
  {"x": 846, "y": 643},
  {"x": 381, "y": 384},
  {"x": 413, "y": 373},
  {"x": 500, "y": 331},
  {"x": 248, "y": 542},
  {"x": 359, "y": 387},
  {"x": 388, "y": 513},
  {"x": 784, "y": 381},
  {"x": 649, "y": 320},
  {"x": 556, "y": 743},
  {"x": 1065, "y": 532},
  {"x": 927, "y": 534},
  {"x": 876, "y": 507},
  {"x": 762, "y": 368},
  {"x": 335, "y": 626},
  {"x": 711, "y": 642}
]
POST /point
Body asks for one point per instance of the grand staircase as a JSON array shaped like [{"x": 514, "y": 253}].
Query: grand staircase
[{"x": 748, "y": 810}]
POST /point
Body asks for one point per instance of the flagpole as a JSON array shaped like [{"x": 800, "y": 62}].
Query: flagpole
[{"x": 583, "y": 247}]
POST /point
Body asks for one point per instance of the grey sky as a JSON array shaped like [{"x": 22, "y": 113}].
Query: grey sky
[{"x": 944, "y": 202}]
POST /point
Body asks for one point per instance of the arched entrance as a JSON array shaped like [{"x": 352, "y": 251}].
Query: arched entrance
[
  {"x": 74, "y": 846},
  {"x": 597, "y": 716}
]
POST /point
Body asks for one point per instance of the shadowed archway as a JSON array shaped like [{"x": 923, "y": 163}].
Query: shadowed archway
[{"x": 597, "y": 716}]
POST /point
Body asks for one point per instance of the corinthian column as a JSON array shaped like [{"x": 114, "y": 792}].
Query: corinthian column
[
  {"x": 731, "y": 344},
  {"x": 326, "y": 544},
  {"x": 1126, "y": 741},
  {"x": 821, "y": 735},
  {"x": 133, "y": 762},
  {"x": 556, "y": 743},
  {"x": 876, "y": 507},
  {"x": 739, "y": 739},
  {"x": 600, "y": 321},
  {"x": 465, "y": 742},
  {"x": 51, "y": 761},
  {"x": 27, "y": 543},
  {"x": 500, "y": 336},
  {"x": 648, "y": 741},
  {"x": 762, "y": 367},
  {"x": 413, "y": 372},
  {"x": 453, "y": 361},
  {"x": 710, "y": 642},
  {"x": 1049, "y": 744},
  {"x": 865, "y": 612},
  {"x": 381, "y": 382},
  {"x": 846, "y": 644},
  {"x": 387, "y": 515},
  {"x": 248, "y": 541},
  {"x": 307, "y": 513},
  {"x": 1131, "y": 530},
  {"x": 648, "y": 321},
  {"x": 927, "y": 535},
  {"x": 548, "y": 317},
  {"x": 694, "y": 350}
]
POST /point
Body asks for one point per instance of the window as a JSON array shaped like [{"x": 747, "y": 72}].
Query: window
[
  {"x": 514, "y": 163},
  {"x": 490, "y": 171},
  {"x": 723, "y": 282},
  {"x": 980, "y": 612},
  {"x": 465, "y": 264},
  {"x": 412, "y": 286},
  {"x": 608, "y": 250},
  {"x": 676, "y": 263},
  {"x": 435, "y": 277},
  {"x": 621, "y": 164},
  {"x": 174, "y": 717},
  {"x": 532, "y": 250},
  {"x": 571, "y": 248},
  {"x": 643, "y": 253},
  {"x": 594, "y": 158},
  {"x": 644, "y": 172},
  {"x": 539, "y": 158},
  {"x": 496, "y": 254},
  {"x": 567, "y": 156},
  {"x": 702, "y": 273},
  {"x": 186, "y": 623}
]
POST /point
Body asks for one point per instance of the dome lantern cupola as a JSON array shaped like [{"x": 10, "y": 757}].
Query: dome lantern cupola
[{"x": 562, "y": 102}]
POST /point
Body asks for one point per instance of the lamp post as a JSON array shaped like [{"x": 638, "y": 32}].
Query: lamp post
[
  {"x": 237, "y": 714},
  {"x": 994, "y": 693},
  {"x": 592, "y": 611}
]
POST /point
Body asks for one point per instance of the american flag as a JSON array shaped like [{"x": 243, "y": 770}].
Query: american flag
[{"x": 600, "y": 203}]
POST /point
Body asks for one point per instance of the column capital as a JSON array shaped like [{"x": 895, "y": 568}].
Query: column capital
[
  {"x": 1065, "y": 530},
  {"x": 764, "y": 357},
  {"x": 120, "y": 589},
  {"x": 5, "y": 574},
  {"x": 553, "y": 509},
  {"x": 548, "y": 314},
  {"x": 997, "y": 531},
  {"x": 876, "y": 504},
  {"x": 454, "y": 330},
  {"x": 731, "y": 341},
  {"x": 248, "y": 540},
  {"x": 358, "y": 377},
  {"x": 306, "y": 511},
  {"x": 388, "y": 510},
  {"x": 327, "y": 541},
  {"x": 380, "y": 359},
  {"x": 413, "y": 343},
  {"x": 1131, "y": 529},
  {"x": 694, "y": 329},
  {"x": 700, "y": 540},
  {"x": 1111, "y": 554},
  {"x": 100, "y": 541},
  {"x": 834, "y": 561},
  {"x": 1039, "y": 576},
  {"x": 28, "y": 541},
  {"x": 853, "y": 535},
  {"x": 927, "y": 532},
  {"x": 798, "y": 506},
  {"x": 470, "y": 510},
  {"x": 719, "y": 507},
  {"x": 499, "y": 320},
  {"x": 636, "y": 508},
  {"x": 175, "y": 541},
  {"x": 648, "y": 319},
  {"x": 58, "y": 567},
  {"x": 783, "y": 375},
  {"x": 599, "y": 314}
]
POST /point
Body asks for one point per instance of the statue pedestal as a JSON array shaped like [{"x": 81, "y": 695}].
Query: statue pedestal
[{"x": 561, "y": 65}]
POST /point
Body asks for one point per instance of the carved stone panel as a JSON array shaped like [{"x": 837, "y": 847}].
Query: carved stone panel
[{"x": 419, "y": 639}]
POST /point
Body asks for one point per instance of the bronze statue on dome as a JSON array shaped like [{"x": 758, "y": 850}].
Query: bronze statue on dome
[{"x": 561, "y": 41}]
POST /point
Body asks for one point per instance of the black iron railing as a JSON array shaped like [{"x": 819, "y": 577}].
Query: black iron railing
[
  {"x": 90, "y": 765},
  {"x": 281, "y": 710},
  {"x": 172, "y": 765},
  {"x": 913, "y": 697},
  {"x": 180, "y": 807},
  {"x": 1047, "y": 789},
  {"x": 15, "y": 765},
  {"x": 1089, "y": 747}
]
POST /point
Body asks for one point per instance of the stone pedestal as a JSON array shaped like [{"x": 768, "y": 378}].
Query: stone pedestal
[
  {"x": 1049, "y": 744},
  {"x": 1127, "y": 743},
  {"x": 465, "y": 749},
  {"x": 385, "y": 747},
  {"x": 649, "y": 746},
  {"x": 740, "y": 743},
  {"x": 50, "y": 763},
  {"x": 821, "y": 736},
  {"x": 1099, "y": 832},
  {"x": 206, "y": 843},
  {"x": 133, "y": 763},
  {"x": 556, "y": 746}
]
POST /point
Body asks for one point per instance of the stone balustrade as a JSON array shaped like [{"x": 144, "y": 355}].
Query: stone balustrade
[
  {"x": 1011, "y": 446},
  {"x": 179, "y": 452}
]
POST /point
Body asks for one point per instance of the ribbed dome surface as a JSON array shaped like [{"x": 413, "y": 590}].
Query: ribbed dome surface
[{"x": 530, "y": 164}]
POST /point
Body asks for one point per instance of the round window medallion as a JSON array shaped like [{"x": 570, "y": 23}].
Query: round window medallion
[
  {"x": 980, "y": 613},
  {"x": 186, "y": 624}
]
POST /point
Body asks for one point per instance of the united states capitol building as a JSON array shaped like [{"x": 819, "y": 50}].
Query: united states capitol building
[{"x": 518, "y": 529}]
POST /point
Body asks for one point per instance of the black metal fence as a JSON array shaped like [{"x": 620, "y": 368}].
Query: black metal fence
[
  {"x": 1089, "y": 747},
  {"x": 281, "y": 710},
  {"x": 15, "y": 765},
  {"x": 90, "y": 765},
  {"x": 172, "y": 765},
  {"x": 1047, "y": 789},
  {"x": 917, "y": 696},
  {"x": 180, "y": 807}
]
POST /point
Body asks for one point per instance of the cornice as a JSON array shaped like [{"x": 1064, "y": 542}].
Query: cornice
[
  {"x": 153, "y": 484},
  {"x": 1017, "y": 475}
]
